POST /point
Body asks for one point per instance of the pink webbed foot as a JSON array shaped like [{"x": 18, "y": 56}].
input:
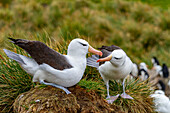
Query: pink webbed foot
[
  {"x": 111, "y": 99},
  {"x": 124, "y": 95}
]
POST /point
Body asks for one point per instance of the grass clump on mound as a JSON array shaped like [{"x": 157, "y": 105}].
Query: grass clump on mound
[
  {"x": 140, "y": 92},
  {"x": 50, "y": 99},
  {"x": 13, "y": 81}
]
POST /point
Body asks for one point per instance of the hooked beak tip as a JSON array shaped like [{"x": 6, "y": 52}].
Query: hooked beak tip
[
  {"x": 94, "y": 51},
  {"x": 105, "y": 59},
  {"x": 101, "y": 54}
]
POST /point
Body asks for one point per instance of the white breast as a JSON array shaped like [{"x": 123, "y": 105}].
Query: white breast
[
  {"x": 110, "y": 71},
  {"x": 66, "y": 77}
]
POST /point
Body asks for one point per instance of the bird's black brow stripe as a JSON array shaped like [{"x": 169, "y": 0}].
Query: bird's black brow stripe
[
  {"x": 83, "y": 44},
  {"x": 117, "y": 58}
]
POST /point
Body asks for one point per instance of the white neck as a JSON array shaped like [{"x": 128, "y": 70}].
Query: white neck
[{"x": 77, "y": 62}]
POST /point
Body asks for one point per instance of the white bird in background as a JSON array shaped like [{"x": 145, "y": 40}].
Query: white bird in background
[
  {"x": 143, "y": 74},
  {"x": 156, "y": 66},
  {"x": 143, "y": 71},
  {"x": 155, "y": 61},
  {"x": 50, "y": 67},
  {"x": 161, "y": 101},
  {"x": 114, "y": 65},
  {"x": 164, "y": 72},
  {"x": 169, "y": 83},
  {"x": 142, "y": 65},
  {"x": 134, "y": 72},
  {"x": 161, "y": 85}
]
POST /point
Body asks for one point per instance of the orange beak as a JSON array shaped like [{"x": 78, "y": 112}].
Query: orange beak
[
  {"x": 94, "y": 51},
  {"x": 105, "y": 59}
]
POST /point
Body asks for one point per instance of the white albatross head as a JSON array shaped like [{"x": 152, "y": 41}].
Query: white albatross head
[
  {"x": 117, "y": 57},
  {"x": 79, "y": 48},
  {"x": 159, "y": 92},
  {"x": 142, "y": 65}
]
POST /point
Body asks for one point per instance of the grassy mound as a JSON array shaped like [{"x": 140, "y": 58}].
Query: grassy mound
[{"x": 51, "y": 99}]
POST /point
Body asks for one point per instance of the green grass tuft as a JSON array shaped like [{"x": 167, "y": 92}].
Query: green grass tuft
[
  {"x": 90, "y": 84},
  {"x": 140, "y": 92},
  {"x": 13, "y": 81}
]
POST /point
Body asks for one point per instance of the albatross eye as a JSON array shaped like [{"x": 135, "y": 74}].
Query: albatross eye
[{"x": 83, "y": 44}]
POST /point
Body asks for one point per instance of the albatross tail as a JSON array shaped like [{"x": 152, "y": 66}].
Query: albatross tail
[
  {"x": 92, "y": 61},
  {"x": 28, "y": 64},
  {"x": 14, "y": 56}
]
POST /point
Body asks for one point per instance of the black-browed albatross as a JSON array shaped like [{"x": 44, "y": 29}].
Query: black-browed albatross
[
  {"x": 113, "y": 65},
  {"x": 50, "y": 67},
  {"x": 156, "y": 66}
]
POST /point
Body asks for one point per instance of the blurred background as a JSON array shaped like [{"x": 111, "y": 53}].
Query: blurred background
[{"x": 140, "y": 27}]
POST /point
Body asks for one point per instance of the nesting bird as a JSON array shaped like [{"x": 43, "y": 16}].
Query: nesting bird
[
  {"x": 162, "y": 71},
  {"x": 113, "y": 65},
  {"x": 161, "y": 101},
  {"x": 143, "y": 75},
  {"x": 165, "y": 71},
  {"x": 155, "y": 61},
  {"x": 156, "y": 66},
  {"x": 135, "y": 70},
  {"x": 143, "y": 72},
  {"x": 161, "y": 85},
  {"x": 142, "y": 65},
  {"x": 50, "y": 67},
  {"x": 169, "y": 83}
]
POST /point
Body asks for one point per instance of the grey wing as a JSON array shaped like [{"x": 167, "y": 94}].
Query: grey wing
[
  {"x": 41, "y": 53},
  {"x": 109, "y": 48},
  {"x": 92, "y": 61}
]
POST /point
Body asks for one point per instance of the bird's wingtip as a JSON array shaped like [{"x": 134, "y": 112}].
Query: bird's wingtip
[
  {"x": 5, "y": 50},
  {"x": 12, "y": 39}
]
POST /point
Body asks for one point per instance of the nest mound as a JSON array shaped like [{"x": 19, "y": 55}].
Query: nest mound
[{"x": 52, "y": 100}]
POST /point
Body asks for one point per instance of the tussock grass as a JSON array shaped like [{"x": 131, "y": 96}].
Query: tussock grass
[
  {"x": 13, "y": 81},
  {"x": 140, "y": 91}
]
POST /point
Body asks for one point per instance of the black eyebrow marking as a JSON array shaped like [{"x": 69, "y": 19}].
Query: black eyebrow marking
[
  {"x": 117, "y": 58},
  {"x": 83, "y": 44}
]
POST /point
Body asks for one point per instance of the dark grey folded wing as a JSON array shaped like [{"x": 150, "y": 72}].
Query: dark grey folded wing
[
  {"x": 109, "y": 48},
  {"x": 106, "y": 50},
  {"x": 41, "y": 53},
  {"x": 105, "y": 54}
]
